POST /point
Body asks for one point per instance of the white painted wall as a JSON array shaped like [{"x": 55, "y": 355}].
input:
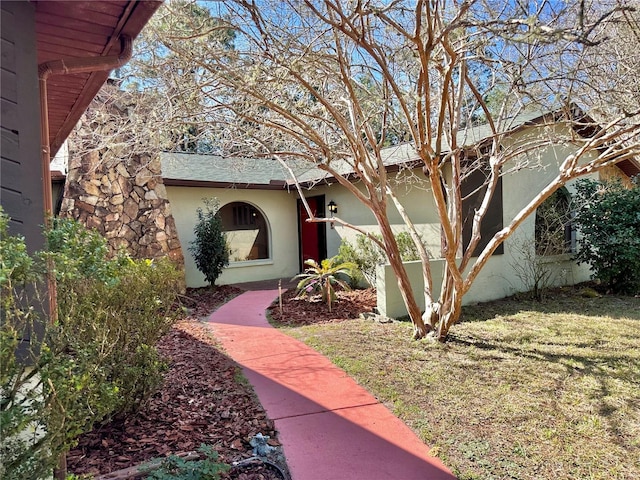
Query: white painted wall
[
  {"x": 498, "y": 278},
  {"x": 279, "y": 209},
  {"x": 411, "y": 188}
]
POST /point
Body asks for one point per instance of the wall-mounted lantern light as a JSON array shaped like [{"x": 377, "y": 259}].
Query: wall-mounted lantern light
[{"x": 333, "y": 208}]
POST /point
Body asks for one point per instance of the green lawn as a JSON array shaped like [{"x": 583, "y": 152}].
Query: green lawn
[{"x": 522, "y": 390}]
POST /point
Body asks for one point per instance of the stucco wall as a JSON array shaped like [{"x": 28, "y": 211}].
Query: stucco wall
[
  {"x": 498, "y": 278},
  {"x": 278, "y": 208},
  {"x": 411, "y": 188}
]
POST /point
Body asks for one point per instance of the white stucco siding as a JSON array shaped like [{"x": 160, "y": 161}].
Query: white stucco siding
[
  {"x": 499, "y": 278},
  {"x": 415, "y": 198},
  {"x": 519, "y": 188},
  {"x": 278, "y": 208},
  {"x": 536, "y": 169}
]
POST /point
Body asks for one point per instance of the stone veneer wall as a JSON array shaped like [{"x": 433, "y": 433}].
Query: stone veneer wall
[{"x": 126, "y": 201}]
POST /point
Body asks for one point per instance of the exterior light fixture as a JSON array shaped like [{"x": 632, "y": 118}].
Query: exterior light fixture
[{"x": 333, "y": 209}]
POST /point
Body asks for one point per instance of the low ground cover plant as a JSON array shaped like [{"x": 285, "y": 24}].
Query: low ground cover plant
[
  {"x": 176, "y": 468},
  {"x": 97, "y": 360}
]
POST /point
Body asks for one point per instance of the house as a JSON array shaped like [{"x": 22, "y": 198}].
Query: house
[
  {"x": 55, "y": 58},
  {"x": 269, "y": 238}
]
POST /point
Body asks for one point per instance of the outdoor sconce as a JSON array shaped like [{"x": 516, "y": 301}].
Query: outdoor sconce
[{"x": 333, "y": 209}]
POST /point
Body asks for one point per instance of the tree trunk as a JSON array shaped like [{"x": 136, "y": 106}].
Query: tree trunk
[
  {"x": 450, "y": 307},
  {"x": 60, "y": 472}
]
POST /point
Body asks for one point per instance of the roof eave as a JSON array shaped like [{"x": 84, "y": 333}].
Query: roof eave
[
  {"x": 176, "y": 182},
  {"x": 137, "y": 15}
]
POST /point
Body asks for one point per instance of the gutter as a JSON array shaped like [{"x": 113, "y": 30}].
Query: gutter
[{"x": 66, "y": 67}]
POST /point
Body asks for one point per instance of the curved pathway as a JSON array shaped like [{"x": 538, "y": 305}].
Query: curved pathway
[{"x": 329, "y": 426}]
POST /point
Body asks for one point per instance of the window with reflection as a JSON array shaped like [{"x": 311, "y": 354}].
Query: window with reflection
[
  {"x": 246, "y": 231},
  {"x": 554, "y": 230}
]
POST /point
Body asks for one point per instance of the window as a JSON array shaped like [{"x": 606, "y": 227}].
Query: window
[
  {"x": 554, "y": 232},
  {"x": 473, "y": 188},
  {"x": 246, "y": 230}
]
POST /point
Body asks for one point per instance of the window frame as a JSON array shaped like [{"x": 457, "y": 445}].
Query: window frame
[
  {"x": 569, "y": 244},
  {"x": 240, "y": 220}
]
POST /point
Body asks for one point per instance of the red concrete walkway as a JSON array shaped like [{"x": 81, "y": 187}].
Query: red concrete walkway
[{"x": 329, "y": 426}]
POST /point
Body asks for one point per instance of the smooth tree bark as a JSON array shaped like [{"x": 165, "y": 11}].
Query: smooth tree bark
[{"x": 338, "y": 85}]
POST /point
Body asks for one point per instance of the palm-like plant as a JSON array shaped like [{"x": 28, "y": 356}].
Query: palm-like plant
[{"x": 323, "y": 278}]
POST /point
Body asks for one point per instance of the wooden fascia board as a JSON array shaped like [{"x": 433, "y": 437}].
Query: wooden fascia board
[
  {"x": 174, "y": 182},
  {"x": 138, "y": 14}
]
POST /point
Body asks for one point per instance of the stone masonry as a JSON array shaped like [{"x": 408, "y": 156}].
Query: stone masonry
[
  {"x": 126, "y": 201},
  {"x": 114, "y": 181}
]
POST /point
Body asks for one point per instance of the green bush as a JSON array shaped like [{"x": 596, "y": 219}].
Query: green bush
[
  {"x": 367, "y": 255},
  {"x": 97, "y": 361},
  {"x": 608, "y": 219},
  {"x": 24, "y": 453},
  {"x": 112, "y": 310},
  {"x": 209, "y": 248},
  {"x": 80, "y": 252}
]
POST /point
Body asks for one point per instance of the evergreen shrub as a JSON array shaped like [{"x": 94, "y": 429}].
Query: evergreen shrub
[{"x": 608, "y": 219}]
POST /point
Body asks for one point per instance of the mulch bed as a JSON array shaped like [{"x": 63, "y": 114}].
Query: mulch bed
[
  {"x": 306, "y": 311},
  {"x": 201, "y": 400}
]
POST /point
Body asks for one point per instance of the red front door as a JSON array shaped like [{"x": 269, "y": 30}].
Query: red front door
[{"x": 312, "y": 235}]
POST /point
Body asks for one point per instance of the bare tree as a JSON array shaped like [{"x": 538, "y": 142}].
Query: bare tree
[
  {"x": 609, "y": 80},
  {"x": 334, "y": 83},
  {"x": 158, "y": 101}
]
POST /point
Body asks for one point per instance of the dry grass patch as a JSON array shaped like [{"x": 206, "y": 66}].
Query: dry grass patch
[{"x": 522, "y": 390}]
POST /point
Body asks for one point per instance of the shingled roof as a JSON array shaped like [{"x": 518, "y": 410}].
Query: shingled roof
[
  {"x": 217, "y": 171},
  {"x": 263, "y": 173}
]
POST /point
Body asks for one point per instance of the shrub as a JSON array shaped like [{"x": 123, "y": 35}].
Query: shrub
[
  {"x": 323, "y": 278},
  {"x": 79, "y": 252},
  {"x": 23, "y": 451},
  {"x": 536, "y": 272},
  {"x": 360, "y": 274},
  {"x": 97, "y": 361},
  {"x": 209, "y": 248},
  {"x": 367, "y": 255},
  {"x": 112, "y": 310},
  {"x": 608, "y": 218},
  {"x": 116, "y": 324}
]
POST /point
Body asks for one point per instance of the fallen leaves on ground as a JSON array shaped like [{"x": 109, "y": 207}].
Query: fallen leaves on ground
[
  {"x": 305, "y": 311},
  {"x": 201, "y": 401}
]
